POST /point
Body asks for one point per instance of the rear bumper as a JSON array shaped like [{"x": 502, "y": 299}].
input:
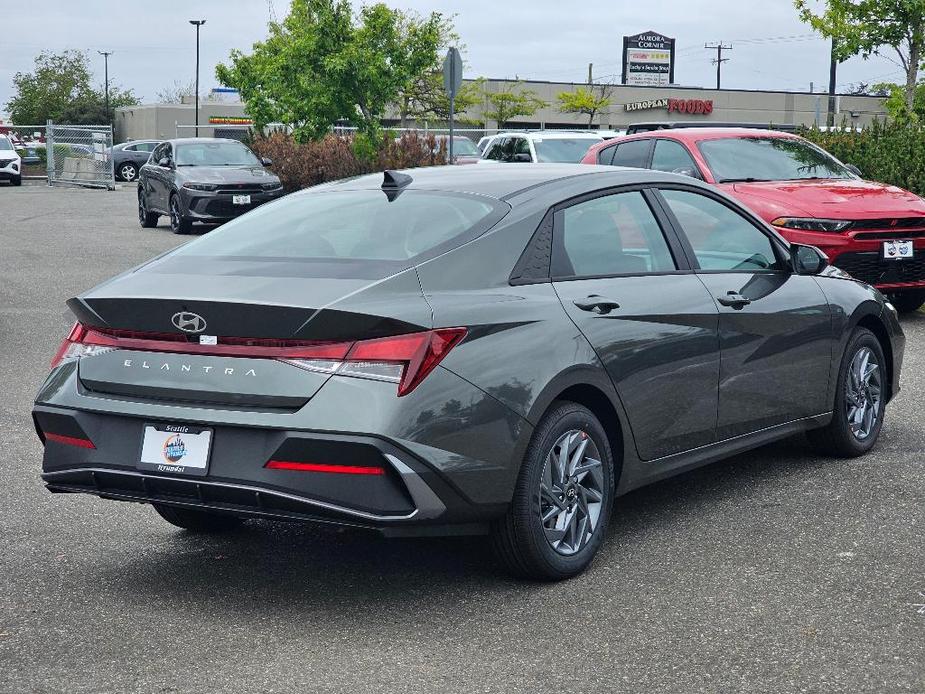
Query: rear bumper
[
  {"x": 442, "y": 472},
  {"x": 409, "y": 498}
]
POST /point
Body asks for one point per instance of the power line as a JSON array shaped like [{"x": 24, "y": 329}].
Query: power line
[{"x": 719, "y": 59}]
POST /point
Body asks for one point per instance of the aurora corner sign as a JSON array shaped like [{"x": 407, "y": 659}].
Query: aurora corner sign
[{"x": 648, "y": 60}]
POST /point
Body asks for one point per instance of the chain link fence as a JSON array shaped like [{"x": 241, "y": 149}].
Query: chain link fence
[{"x": 79, "y": 155}]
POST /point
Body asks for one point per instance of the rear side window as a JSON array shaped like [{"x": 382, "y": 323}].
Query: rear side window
[
  {"x": 605, "y": 156},
  {"x": 634, "y": 153},
  {"x": 360, "y": 225},
  {"x": 721, "y": 238},
  {"x": 610, "y": 235}
]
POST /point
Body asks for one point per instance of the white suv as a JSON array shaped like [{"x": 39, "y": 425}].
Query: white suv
[
  {"x": 539, "y": 146},
  {"x": 10, "y": 162}
]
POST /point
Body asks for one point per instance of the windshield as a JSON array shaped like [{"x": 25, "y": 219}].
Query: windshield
[
  {"x": 361, "y": 225},
  {"x": 768, "y": 159},
  {"x": 215, "y": 154},
  {"x": 562, "y": 149},
  {"x": 5, "y": 144}
]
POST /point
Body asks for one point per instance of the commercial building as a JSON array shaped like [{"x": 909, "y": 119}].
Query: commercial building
[{"x": 629, "y": 104}]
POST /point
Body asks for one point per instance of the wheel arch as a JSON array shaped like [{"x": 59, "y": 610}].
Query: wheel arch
[
  {"x": 875, "y": 324},
  {"x": 588, "y": 388}
]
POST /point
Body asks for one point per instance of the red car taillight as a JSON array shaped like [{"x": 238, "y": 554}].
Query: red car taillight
[{"x": 402, "y": 359}]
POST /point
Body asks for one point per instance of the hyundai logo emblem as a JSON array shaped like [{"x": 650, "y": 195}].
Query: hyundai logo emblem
[{"x": 189, "y": 322}]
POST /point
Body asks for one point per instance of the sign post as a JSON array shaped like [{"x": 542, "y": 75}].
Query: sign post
[
  {"x": 452, "y": 81},
  {"x": 648, "y": 60}
]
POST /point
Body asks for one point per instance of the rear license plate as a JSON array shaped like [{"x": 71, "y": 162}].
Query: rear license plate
[
  {"x": 897, "y": 250},
  {"x": 176, "y": 448},
  {"x": 241, "y": 199}
]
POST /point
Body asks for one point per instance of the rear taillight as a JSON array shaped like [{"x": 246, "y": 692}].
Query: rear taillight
[
  {"x": 402, "y": 359},
  {"x": 75, "y": 346}
]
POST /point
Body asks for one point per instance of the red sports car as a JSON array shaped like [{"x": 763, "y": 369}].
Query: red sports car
[{"x": 874, "y": 231}]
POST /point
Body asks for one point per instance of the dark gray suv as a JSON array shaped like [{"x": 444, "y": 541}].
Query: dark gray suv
[
  {"x": 208, "y": 180},
  {"x": 478, "y": 349}
]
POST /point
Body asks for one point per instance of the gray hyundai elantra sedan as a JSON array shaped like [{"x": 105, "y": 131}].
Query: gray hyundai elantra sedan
[{"x": 481, "y": 350}]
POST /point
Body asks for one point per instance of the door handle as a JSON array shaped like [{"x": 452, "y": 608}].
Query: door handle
[
  {"x": 733, "y": 299},
  {"x": 596, "y": 304}
]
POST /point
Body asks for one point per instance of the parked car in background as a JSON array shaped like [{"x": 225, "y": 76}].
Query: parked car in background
[
  {"x": 464, "y": 150},
  {"x": 203, "y": 179},
  {"x": 461, "y": 349},
  {"x": 874, "y": 231},
  {"x": 544, "y": 146},
  {"x": 29, "y": 152},
  {"x": 10, "y": 162},
  {"x": 129, "y": 157}
]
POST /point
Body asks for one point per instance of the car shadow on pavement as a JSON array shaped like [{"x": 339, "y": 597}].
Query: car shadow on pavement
[{"x": 275, "y": 563}]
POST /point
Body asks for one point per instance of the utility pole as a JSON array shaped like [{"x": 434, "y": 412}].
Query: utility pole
[
  {"x": 106, "y": 55},
  {"x": 590, "y": 69},
  {"x": 197, "y": 23},
  {"x": 719, "y": 59},
  {"x": 833, "y": 68}
]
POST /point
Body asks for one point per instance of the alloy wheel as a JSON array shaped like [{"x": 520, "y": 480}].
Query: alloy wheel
[
  {"x": 571, "y": 492},
  {"x": 175, "y": 220},
  {"x": 863, "y": 388},
  {"x": 128, "y": 173}
]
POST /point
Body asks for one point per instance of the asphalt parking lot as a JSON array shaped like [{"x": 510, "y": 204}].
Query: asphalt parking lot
[{"x": 777, "y": 571}]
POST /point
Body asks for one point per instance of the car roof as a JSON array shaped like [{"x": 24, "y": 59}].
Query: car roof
[
  {"x": 504, "y": 181},
  {"x": 550, "y": 134},
  {"x": 693, "y": 135},
  {"x": 192, "y": 140}
]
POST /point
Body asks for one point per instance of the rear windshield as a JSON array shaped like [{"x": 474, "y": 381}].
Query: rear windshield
[
  {"x": 215, "y": 154},
  {"x": 358, "y": 225}
]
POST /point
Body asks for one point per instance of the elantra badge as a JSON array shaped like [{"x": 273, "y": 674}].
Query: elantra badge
[{"x": 188, "y": 322}]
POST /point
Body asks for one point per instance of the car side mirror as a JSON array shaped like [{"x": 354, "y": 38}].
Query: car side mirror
[
  {"x": 522, "y": 157},
  {"x": 266, "y": 162},
  {"x": 164, "y": 162},
  {"x": 855, "y": 170},
  {"x": 807, "y": 260}
]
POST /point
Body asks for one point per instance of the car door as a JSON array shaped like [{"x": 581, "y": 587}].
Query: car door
[
  {"x": 775, "y": 326},
  {"x": 159, "y": 177},
  {"x": 626, "y": 284}
]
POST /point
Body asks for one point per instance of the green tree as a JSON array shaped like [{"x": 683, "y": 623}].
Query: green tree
[
  {"x": 59, "y": 89},
  {"x": 896, "y": 102},
  {"x": 322, "y": 64},
  {"x": 866, "y": 27},
  {"x": 588, "y": 102},
  {"x": 510, "y": 102}
]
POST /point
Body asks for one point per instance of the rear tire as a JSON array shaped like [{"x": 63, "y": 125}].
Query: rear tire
[
  {"x": 558, "y": 516},
  {"x": 178, "y": 223},
  {"x": 907, "y": 302},
  {"x": 197, "y": 521},
  {"x": 862, "y": 383},
  {"x": 148, "y": 220},
  {"x": 128, "y": 172}
]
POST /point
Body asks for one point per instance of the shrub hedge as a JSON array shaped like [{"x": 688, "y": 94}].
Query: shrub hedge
[
  {"x": 889, "y": 152},
  {"x": 300, "y": 165}
]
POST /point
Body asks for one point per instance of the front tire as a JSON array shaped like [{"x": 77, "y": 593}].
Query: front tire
[
  {"x": 197, "y": 521},
  {"x": 907, "y": 302},
  {"x": 16, "y": 180},
  {"x": 857, "y": 416},
  {"x": 178, "y": 223},
  {"x": 562, "y": 502}
]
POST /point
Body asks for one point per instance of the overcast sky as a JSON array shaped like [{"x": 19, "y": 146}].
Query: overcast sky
[{"x": 153, "y": 45}]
